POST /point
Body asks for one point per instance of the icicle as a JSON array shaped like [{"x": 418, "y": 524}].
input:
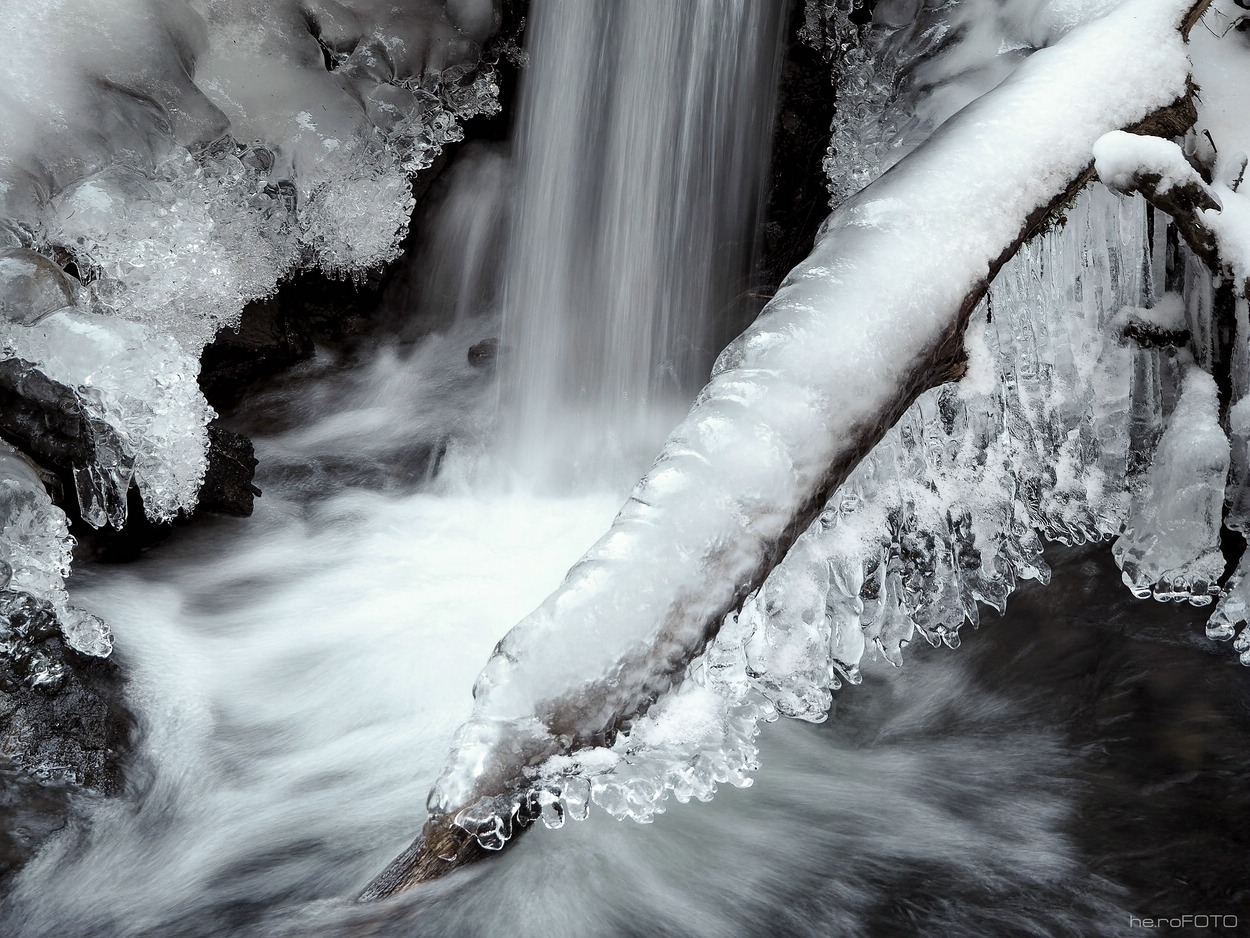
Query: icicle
[{"x": 1170, "y": 547}]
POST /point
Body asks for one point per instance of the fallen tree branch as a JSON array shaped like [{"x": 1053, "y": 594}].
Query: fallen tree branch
[{"x": 873, "y": 318}]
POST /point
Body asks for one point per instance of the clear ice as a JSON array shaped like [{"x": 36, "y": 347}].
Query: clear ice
[
  {"x": 140, "y": 384},
  {"x": 944, "y": 517},
  {"x": 35, "y": 553}
]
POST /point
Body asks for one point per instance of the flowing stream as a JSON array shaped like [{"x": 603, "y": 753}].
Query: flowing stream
[
  {"x": 297, "y": 676},
  {"x": 642, "y": 145}
]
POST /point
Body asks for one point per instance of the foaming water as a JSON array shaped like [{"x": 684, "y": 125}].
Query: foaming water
[{"x": 297, "y": 678}]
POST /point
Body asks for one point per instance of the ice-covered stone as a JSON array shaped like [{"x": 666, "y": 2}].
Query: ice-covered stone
[
  {"x": 35, "y": 543},
  {"x": 143, "y": 386},
  {"x": 86, "y": 633}
]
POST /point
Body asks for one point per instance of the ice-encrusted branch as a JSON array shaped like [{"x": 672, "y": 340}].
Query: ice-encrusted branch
[
  {"x": 871, "y": 319},
  {"x": 1215, "y": 227}
]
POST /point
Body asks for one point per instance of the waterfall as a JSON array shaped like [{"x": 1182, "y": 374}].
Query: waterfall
[{"x": 643, "y": 139}]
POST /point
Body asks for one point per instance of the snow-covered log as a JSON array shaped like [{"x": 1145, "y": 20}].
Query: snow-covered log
[{"x": 872, "y": 318}]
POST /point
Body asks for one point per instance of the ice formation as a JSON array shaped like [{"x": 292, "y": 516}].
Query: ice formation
[
  {"x": 35, "y": 543},
  {"x": 35, "y": 554},
  {"x": 943, "y": 518},
  {"x": 201, "y": 151},
  {"x": 833, "y": 356},
  {"x": 140, "y": 384},
  {"x": 900, "y": 75},
  {"x": 164, "y": 162}
]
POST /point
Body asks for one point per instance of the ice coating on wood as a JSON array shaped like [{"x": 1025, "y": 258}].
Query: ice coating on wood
[
  {"x": 940, "y": 522},
  {"x": 794, "y": 396},
  {"x": 1120, "y": 156}
]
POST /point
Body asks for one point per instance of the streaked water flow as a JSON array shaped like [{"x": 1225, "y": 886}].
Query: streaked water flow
[{"x": 642, "y": 144}]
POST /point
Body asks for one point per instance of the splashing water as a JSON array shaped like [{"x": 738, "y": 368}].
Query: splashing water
[{"x": 298, "y": 678}]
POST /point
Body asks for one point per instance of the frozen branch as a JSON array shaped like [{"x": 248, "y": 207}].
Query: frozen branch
[
  {"x": 1215, "y": 225},
  {"x": 873, "y": 317}
]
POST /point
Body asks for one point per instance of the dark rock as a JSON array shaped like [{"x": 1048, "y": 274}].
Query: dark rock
[
  {"x": 484, "y": 353},
  {"x": 56, "y": 737},
  {"x": 228, "y": 487},
  {"x": 798, "y": 195},
  {"x": 45, "y": 419},
  {"x": 267, "y": 341}
]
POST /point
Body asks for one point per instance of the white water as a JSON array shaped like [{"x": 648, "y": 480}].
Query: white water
[
  {"x": 298, "y": 676},
  {"x": 643, "y": 138}
]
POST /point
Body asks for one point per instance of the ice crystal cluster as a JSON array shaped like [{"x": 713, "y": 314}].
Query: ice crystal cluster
[
  {"x": 35, "y": 554},
  {"x": 164, "y": 162}
]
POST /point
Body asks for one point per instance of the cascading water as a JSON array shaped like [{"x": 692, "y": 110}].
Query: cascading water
[
  {"x": 297, "y": 678},
  {"x": 643, "y": 141}
]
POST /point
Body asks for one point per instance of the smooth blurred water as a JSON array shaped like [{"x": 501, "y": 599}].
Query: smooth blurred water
[
  {"x": 641, "y": 150},
  {"x": 297, "y": 678}
]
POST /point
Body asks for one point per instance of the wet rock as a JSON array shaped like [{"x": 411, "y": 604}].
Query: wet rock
[
  {"x": 228, "y": 487},
  {"x": 484, "y": 353},
  {"x": 63, "y": 727},
  {"x": 31, "y": 286},
  {"x": 268, "y": 340},
  {"x": 46, "y": 420}
]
